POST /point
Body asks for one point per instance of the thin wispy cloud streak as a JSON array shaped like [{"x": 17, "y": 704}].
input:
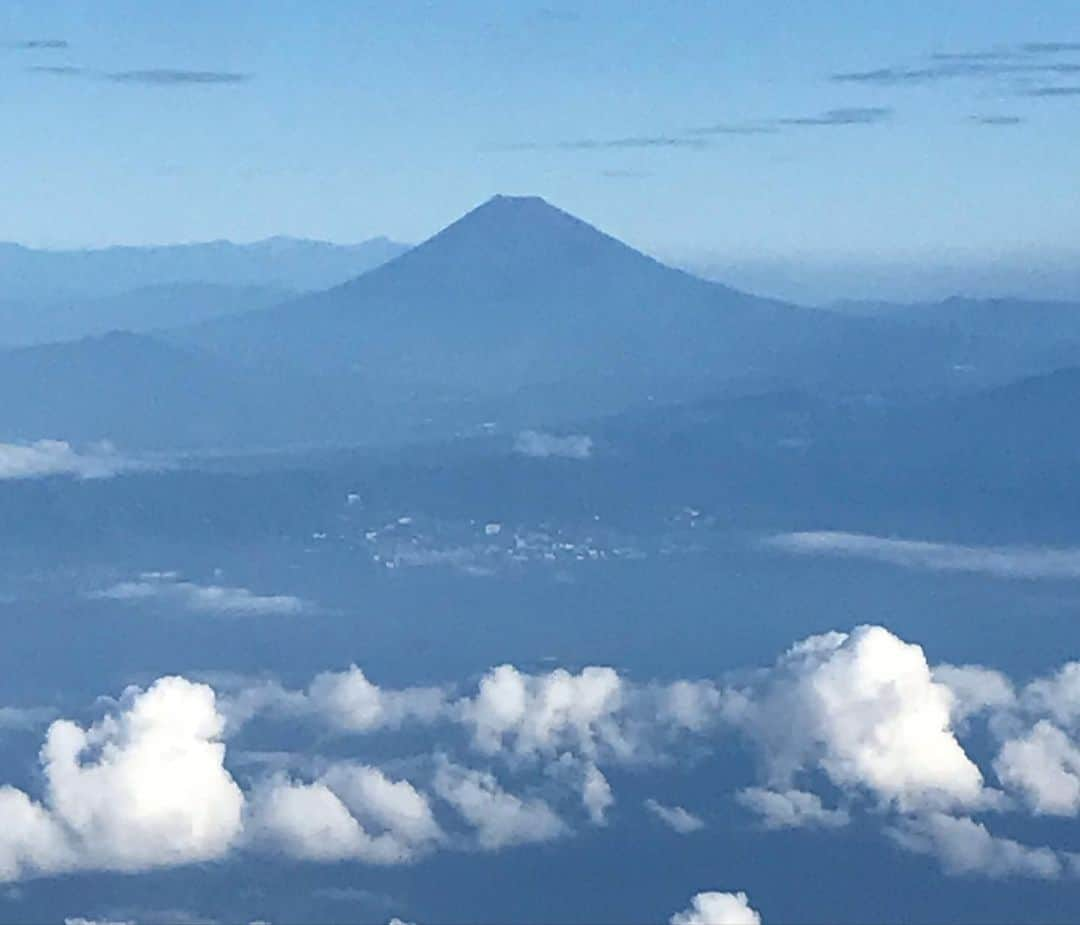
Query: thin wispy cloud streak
[
  {"x": 998, "y": 120},
  {"x": 1050, "y": 48},
  {"x": 999, "y": 561},
  {"x": 1028, "y": 60},
  {"x": 549, "y": 14},
  {"x": 1050, "y": 92},
  {"x": 734, "y": 129},
  {"x": 167, "y": 77},
  {"x": 893, "y": 76},
  {"x": 855, "y": 115},
  {"x": 618, "y": 174},
  {"x": 999, "y": 55},
  {"x": 152, "y": 77},
  {"x": 700, "y": 137},
  {"x": 39, "y": 44},
  {"x": 59, "y": 70},
  {"x": 610, "y": 144}
]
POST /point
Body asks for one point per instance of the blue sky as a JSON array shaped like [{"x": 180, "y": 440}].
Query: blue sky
[{"x": 193, "y": 120}]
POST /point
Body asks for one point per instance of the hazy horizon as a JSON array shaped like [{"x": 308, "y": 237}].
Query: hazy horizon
[{"x": 740, "y": 129}]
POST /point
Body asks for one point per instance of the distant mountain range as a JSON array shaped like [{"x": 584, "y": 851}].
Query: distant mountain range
[
  {"x": 282, "y": 263},
  {"x": 64, "y": 295},
  {"x": 517, "y": 313}
]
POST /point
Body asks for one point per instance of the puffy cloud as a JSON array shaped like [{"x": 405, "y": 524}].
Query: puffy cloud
[
  {"x": 862, "y": 710},
  {"x": 1057, "y": 696},
  {"x": 975, "y": 689},
  {"x": 146, "y": 787},
  {"x": 999, "y": 561},
  {"x": 353, "y": 703},
  {"x": 718, "y": 909},
  {"x": 500, "y": 819},
  {"x": 691, "y": 705},
  {"x": 58, "y": 457},
  {"x": 541, "y": 445},
  {"x": 865, "y": 709},
  {"x": 790, "y": 809},
  {"x": 309, "y": 821},
  {"x": 675, "y": 817},
  {"x": 596, "y": 794},
  {"x": 344, "y": 700},
  {"x": 196, "y": 598},
  {"x": 591, "y": 714},
  {"x": 351, "y": 812},
  {"x": 966, "y": 847},
  {"x": 546, "y": 714},
  {"x": 1044, "y": 765},
  {"x": 31, "y": 841}
]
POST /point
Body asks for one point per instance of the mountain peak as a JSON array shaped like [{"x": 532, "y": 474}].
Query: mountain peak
[
  {"x": 509, "y": 231},
  {"x": 504, "y": 208},
  {"x": 500, "y": 201}
]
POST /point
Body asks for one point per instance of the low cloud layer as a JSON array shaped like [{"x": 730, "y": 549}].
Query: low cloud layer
[
  {"x": 999, "y": 561},
  {"x": 58, "y": 457},
  {"x": 540, "y": 445},
  {"x": 168, "y": 588},
  {"x": 845, "y": 727}
]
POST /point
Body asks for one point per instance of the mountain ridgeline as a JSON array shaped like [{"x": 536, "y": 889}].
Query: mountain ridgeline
[{"x": 517, "y": 313}]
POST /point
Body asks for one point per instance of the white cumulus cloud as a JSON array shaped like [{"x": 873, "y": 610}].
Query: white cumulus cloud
[
  {"x": 596, "y": 795},
  {"x": 864, "y": 708},
  {"x": 1057, "y": 696},
  {"x": 975, "y": 689},
  {"x": 499, "y": 818},
  {"x": 965, "y": 846},
  {"x": 142, "y": 788},
  {"x": 790, "y": 809},
  {"x": 353, "y": 703},
  {"x": 545, "y": 714},
  {"x": 1044, "y": 765},
  {"x": 718, "y": 909},
  {"x": 351, "y": 812}
]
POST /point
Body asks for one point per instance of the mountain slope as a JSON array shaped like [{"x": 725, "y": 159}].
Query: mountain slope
[{"x": 518, "y": 294}]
